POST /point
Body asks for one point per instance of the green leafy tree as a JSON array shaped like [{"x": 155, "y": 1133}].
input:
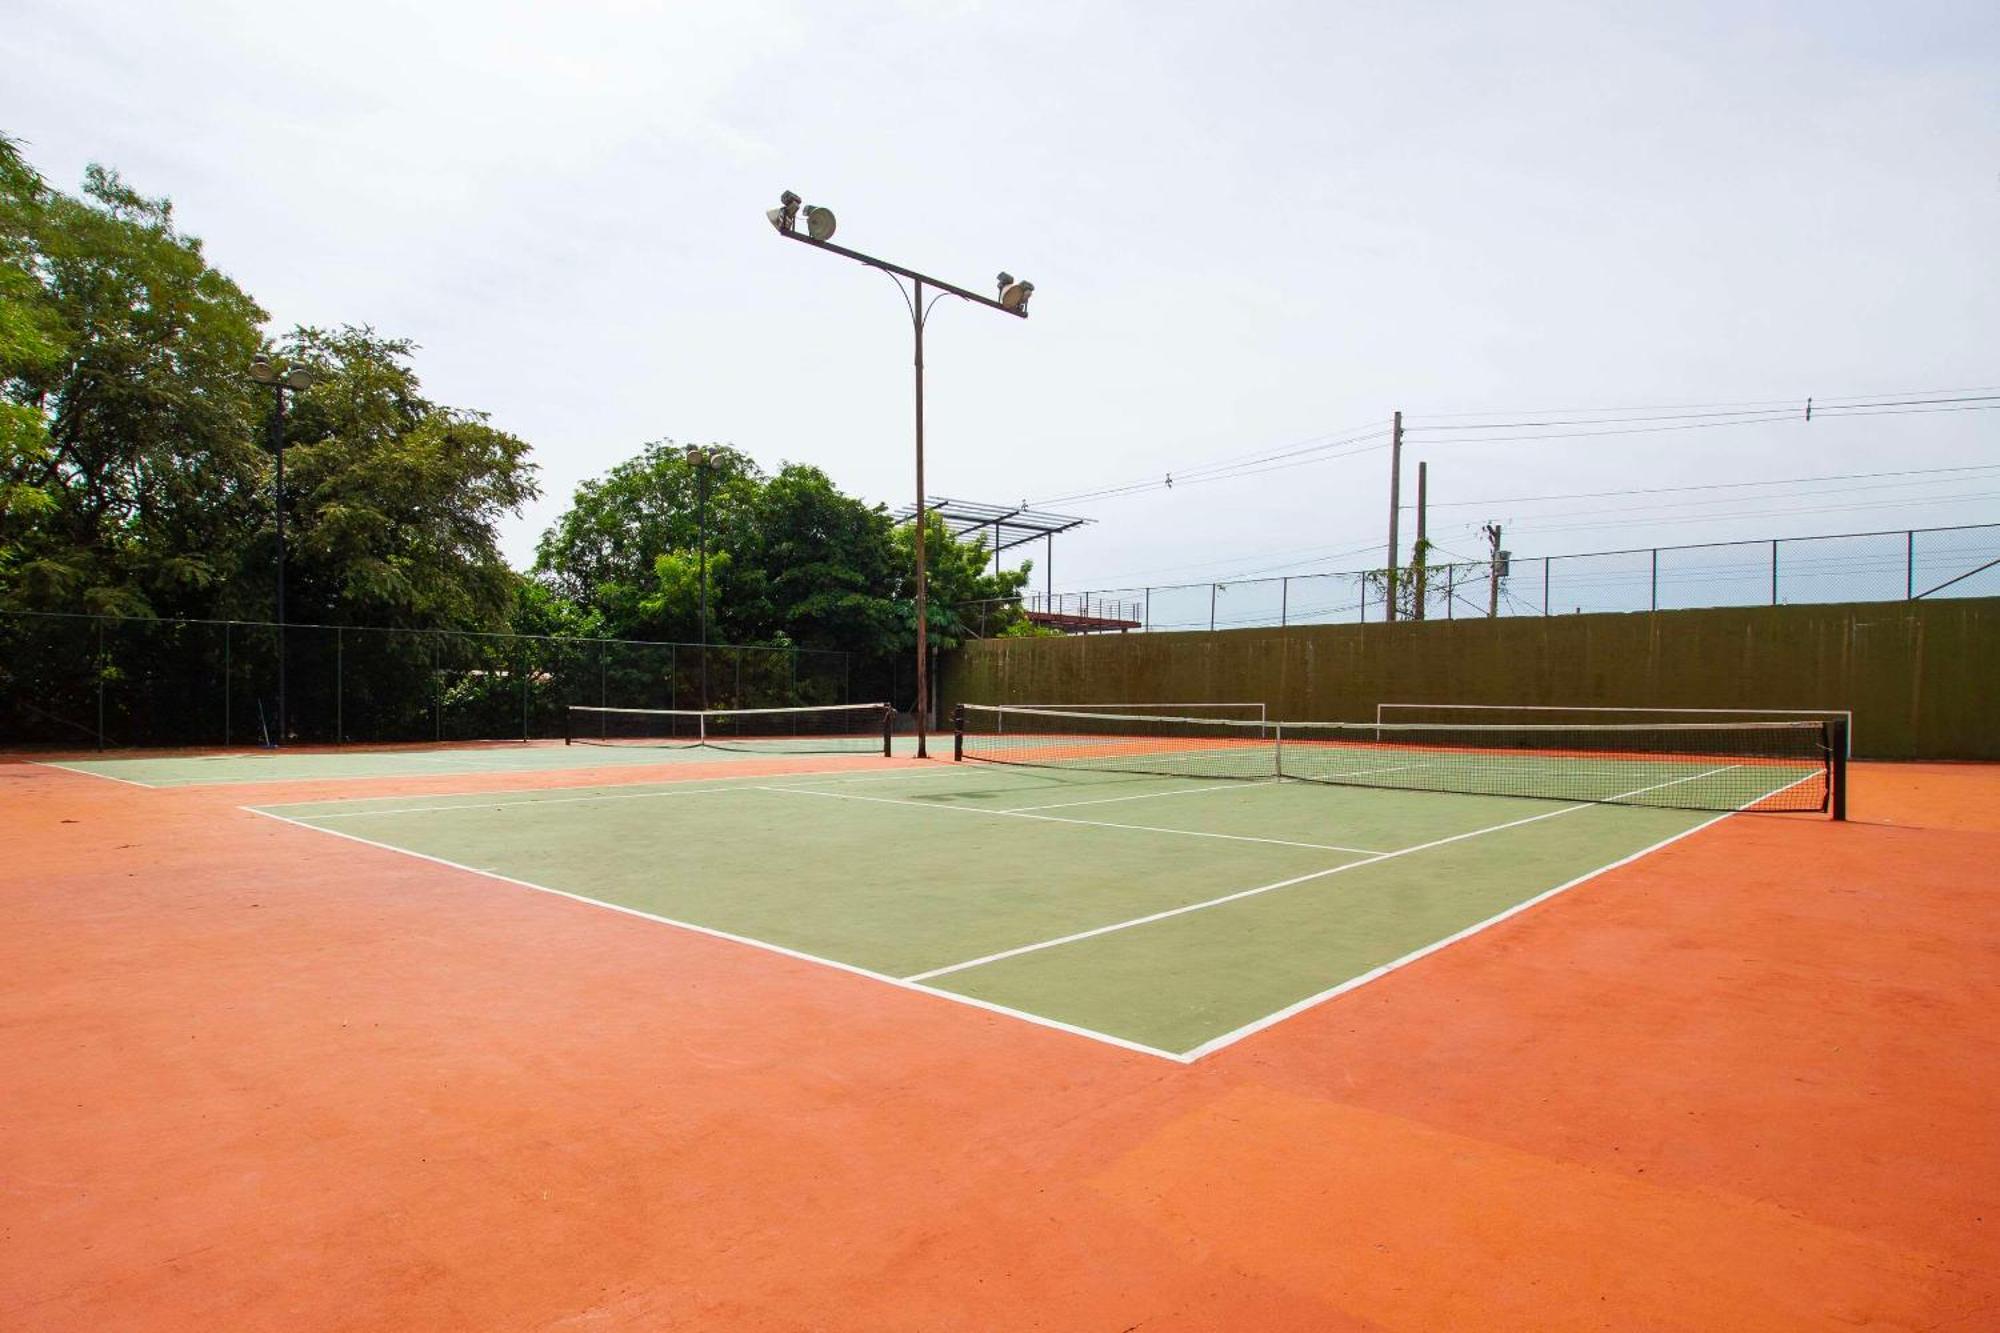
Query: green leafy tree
[
  {"x": 130, "y": 349},
  {"x": 822, "y": 568},
  {"x": 965, "y": 596},
  {"x": 393, "y": 501},
  {"x": 603, "y": 553},
  {"x": 792, "y": 560},
  {"x": 31, "y": 345}
]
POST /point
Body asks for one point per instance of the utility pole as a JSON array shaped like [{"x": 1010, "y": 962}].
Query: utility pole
[
  {"x": 1494, "y": 555},
  {"x": 1395, "y": 507},
  {"x": 1420, "y": 553}
]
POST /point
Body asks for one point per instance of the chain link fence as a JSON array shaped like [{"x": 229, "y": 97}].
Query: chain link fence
[
  {"x": 104, "y": 681},
  {"x": 1901, "y": 565}
]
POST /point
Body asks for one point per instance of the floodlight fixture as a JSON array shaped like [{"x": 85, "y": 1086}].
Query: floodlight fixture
[
  {"x": 786, "y": 215},
  {"x": 261, "y": 371},
  {"x": 299, "y": 378},
  {"x": 1014, "y": 292},
  {"x": 1003, "y": 280},
  {"x": 819, "y": 222}
]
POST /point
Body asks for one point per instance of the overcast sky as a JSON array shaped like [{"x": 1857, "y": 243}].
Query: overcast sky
[{"x": 1251, "y": 227}]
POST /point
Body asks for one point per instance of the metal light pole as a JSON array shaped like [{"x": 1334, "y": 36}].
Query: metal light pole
[
  {"x": 297, "y": 379},
  {"x": 699, "y": 459},
  {"x": 1013, "y": 300}
]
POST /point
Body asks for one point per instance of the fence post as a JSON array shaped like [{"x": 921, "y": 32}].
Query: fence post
[
  {"x": 1656, "y": 578},
  {"x": 100, "y": 683},
  {"x": 339, "y": 685},
  {"x": 1284, "y": 601},
  {"x": 225, "y": 680},
  {"x": 1774, "y": 571},
  {"x": 1547, "y": 560},
  {"x": 1450, "y": 592},
  {"x": 437, "y": 694},
  {"x": 1910, "y": 564},
  {"x": 521, "y": 649},
  {"x": 1211, "y": 608}
]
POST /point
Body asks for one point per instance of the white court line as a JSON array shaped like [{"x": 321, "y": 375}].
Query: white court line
[
  {"x": 898, "y": 982},
  {"x": 1143, "y": 796},
  {"x": 689, "y": 789},
  {"x": 91, "y": 773},
  {"x": 475, "y": 803},
  {"x": 261, "y": 780},
  {"x": 1230, "y": 1038},
  {"x": 1241, "y": 894},
  {"x": 1086, "y": 823}
]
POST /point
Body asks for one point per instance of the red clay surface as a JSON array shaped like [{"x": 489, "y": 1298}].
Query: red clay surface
[{"x": 261, "y": 1078}]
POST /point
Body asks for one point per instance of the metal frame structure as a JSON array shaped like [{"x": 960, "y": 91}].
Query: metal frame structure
[{"x": 1011, "y": 525}]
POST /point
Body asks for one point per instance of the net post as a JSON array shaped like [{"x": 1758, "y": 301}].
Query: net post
[
  {"x": 569, "y": 724},
  {"x": 888, "y": 731},
  {"x": 958, "y": 734},
  {"x": 1836, "y": 747}
]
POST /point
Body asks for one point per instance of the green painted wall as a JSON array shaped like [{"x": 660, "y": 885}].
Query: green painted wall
[{"x": 1922, "y": 678}]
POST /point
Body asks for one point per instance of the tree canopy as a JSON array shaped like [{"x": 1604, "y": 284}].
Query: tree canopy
[
  {"x": 791, "y": 559},
  {"x": 135, "y": 475}
]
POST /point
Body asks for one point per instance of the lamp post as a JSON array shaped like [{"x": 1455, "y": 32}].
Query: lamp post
[
  {"x": 297, "y": 379},
  {"x": 1012, "y": 300},
  {"x": 700, "y": 460}
]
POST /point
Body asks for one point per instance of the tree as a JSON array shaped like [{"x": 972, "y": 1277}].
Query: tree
[
  {"x": 964, "y": 596},
  {"x": 603, "y": 553},
  {"x": 393, "y": 501},
  {"x": 791, "y": 559},
  {"x": 31, "y": 340},
  {"x": 133, "y": 362},
  {"x": 822, "y": 566}
]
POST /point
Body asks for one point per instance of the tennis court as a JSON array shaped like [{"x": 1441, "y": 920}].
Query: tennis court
[
  {"x": 782, "y": 1031},
  {"x": 1140, "y": 881}
]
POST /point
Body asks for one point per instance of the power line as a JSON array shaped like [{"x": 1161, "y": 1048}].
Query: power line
[
  {"x": 1313, "y": 449},
  {"x": 1795, "y": 402},
  {"x": 1775, "y": 419}
]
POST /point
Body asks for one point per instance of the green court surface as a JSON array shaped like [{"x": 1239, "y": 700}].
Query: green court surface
[
  {"x": 244, "y": 766},
  {"x": 1162, "y": 914}
]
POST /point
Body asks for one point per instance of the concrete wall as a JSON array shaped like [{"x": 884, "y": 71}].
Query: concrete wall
[{"x": 1922, "y": 678}]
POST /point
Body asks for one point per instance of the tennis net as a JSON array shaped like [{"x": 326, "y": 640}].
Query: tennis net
[
  {"x": 827, "y": 729},
  {"x": 1766, "y": 766}
]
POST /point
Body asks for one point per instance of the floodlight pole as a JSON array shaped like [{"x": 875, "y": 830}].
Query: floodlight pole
[
  {"x": 262, "y": 372},
  {"x": 278, "y": 509},
  {"x": 699, "y": 457},
  {"x": 913, "y": 296}
]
